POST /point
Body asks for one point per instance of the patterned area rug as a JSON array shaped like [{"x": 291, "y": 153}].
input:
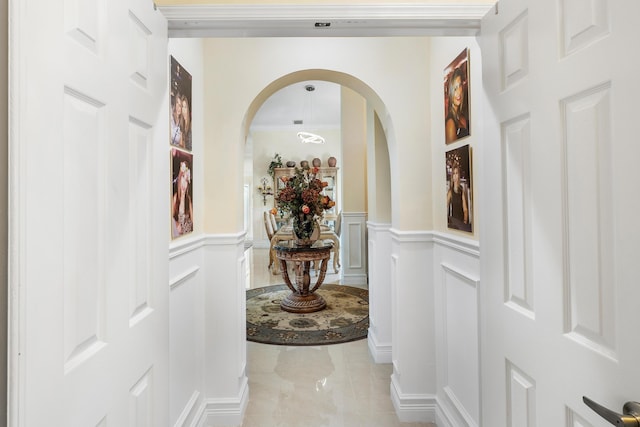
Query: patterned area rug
[{"x": 345, "y": 319}]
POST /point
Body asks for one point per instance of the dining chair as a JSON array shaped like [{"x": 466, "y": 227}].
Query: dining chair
[
  {"x": 274, "y": 223},
  {"x": 268, "y": 225},
  {"x": 338, "y": 225}
]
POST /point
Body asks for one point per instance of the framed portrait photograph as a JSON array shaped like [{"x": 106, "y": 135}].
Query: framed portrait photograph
[
  {"x": 459, "y": 189},
  {"x": 180, "y": 106},
  {"x": 181, "y": 193},
  {"x": 456, "y": 98}
]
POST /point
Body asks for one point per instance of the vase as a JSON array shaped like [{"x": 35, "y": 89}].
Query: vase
[
  {"x": 316, "y": 162},
  {"x": 304, "y": 164},
  {"x": 306, "y": 230},
  {"x": 332, "y": 162},
  {"x": 291, "y": 164}
]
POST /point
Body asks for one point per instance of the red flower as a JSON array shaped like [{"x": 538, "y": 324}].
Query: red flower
[{"x": 305, "y": 209}]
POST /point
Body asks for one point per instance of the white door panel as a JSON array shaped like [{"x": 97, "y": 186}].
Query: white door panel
[
  {"x": 559, "y": 258},
  {"x": 89, "y": 339}
]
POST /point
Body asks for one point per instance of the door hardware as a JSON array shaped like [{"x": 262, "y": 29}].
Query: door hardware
[{"x": 630, "y": 416}]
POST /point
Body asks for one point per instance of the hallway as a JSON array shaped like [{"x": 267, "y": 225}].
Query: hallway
[{"x": 337, "y": 385}]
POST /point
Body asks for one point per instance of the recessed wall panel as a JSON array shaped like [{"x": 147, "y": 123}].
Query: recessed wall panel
[
  {"x": 83, "y": 242},
  {"x": 519, "y": 289},
  {"x": 140, "y": 205},
  {"x": 139, "y": 45},
  {"x": 461, "y": 340},
  {"x": 588, "y": 193},
  {"x": 82, "y": 21},
  {"x": 355, "y": 252},
  {"x": 514, "y": 51},
  {"x": 521, "y": 398},
  {"x": 582, "y": 22}
]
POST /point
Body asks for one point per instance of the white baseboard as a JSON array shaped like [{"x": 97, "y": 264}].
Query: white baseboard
[
  {"x": 413, "y": 408},
  {"x": 381, "y": 353},
  {"x": 353, "y": 279},
  {"x": 224, "y": 412}
]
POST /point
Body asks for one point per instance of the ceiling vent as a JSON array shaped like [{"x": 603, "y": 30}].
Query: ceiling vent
[{"x": 297, "y": 122}]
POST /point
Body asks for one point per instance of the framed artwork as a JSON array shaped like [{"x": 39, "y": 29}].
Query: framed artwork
[
  {"x": 459, "y": 189},
  {"x": 180, "y": 110},
  {"x": 181, "y": 193},
  {"x": 456, "y": 98}
]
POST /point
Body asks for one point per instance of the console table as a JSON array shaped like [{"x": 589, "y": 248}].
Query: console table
[{"x": 302, "y": 299}]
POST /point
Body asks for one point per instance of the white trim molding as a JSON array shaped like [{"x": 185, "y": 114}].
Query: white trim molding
[
  {"x": 458, "y": 243},
  {"x": 379, "y": 335},
  {"x": 188, "y": 410},
  {"x": 224, "y": 412},
  {"x": 353, "y": 248},
  {"x": 331, "y": 20},
  {"x": 412, "y": 407}
]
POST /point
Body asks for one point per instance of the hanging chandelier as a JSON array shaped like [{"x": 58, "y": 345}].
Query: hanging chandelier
[{"x": 308, "y": 137}]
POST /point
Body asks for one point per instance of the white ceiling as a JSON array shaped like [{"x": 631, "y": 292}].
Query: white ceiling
[{"x": 319, "y": 109}]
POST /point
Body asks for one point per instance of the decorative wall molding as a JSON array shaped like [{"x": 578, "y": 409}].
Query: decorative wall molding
[
  {"x": 379, "y": 337},
  {"x": 185, "y": 245},
  {"x": 381, "y": 352},
  {"x": 343, "y": 19},
  {"x": 413, "y": 407},
  {"x": 457, "y": 283},
  {"x": 183, "y": 277},
  {"x": 189, "y": 244},
  {"x": 233, "y": 239},
  {"x": 353, "y": 247},
  {"x": 458, "y": 243},
  {"x": 188, "y": 410},
  {"x": 379, "y": 226},
  {"x": 402, "y": 236},
  {"x": 224, "y": 411}
]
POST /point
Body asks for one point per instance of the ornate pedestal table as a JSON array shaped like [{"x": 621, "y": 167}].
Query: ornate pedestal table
[{"x": 302, "y": 299}]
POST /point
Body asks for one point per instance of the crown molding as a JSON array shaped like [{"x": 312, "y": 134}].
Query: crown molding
[{"x": 343, "y": 20}]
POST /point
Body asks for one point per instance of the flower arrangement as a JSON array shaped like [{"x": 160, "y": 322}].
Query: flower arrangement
[{"x": 302, "y": 197}]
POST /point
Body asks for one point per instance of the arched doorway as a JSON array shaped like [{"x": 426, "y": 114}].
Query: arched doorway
[{"x": 375, "y": 216}]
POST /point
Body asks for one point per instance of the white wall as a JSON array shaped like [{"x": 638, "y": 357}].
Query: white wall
[
  {"x": 186, "y": 278},
  {"x": 386, "y": 71},
  {"x": 456, "y": 266}
]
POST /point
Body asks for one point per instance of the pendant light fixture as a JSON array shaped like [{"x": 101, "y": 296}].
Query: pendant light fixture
[{"x": 308, "y": 137}]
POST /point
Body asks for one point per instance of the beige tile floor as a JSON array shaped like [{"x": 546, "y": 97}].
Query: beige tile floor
[{"x": 336, "y": 386}]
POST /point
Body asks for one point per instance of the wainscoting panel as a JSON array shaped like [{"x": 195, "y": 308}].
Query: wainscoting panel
[
  {"x": 379, "y": 336},
  {"x": 186, "y": 330},
  {"x": 456, "y": 291},
  {"x": 224, "y": 329},
  {"x": 462, "y": 370},
  {"x": 354, "y": 248},
  {"x": 413, "y": 382}
]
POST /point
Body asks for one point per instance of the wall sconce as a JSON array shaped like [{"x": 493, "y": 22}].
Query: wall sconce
[{"x": 265, "y": 190}]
